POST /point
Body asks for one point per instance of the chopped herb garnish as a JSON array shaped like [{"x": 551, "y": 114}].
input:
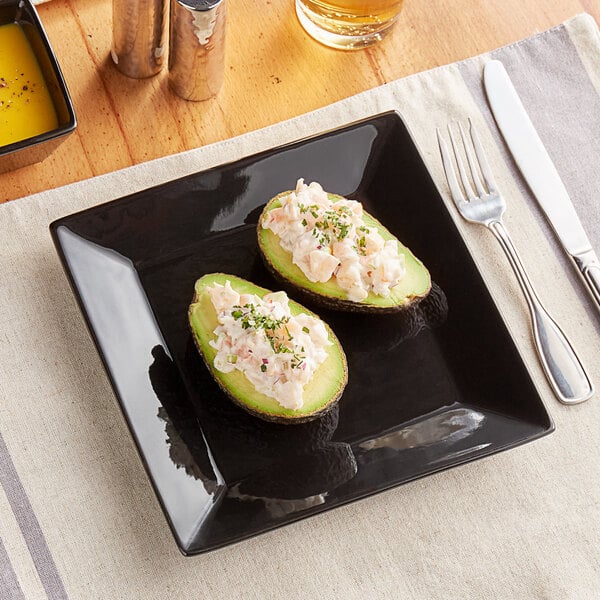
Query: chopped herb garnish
[
  {"x": 306, "y": 330},
  {"x": 296, "y": 361},
  {"x": 360, "y": 247},
  {"x": 334, "y": 224},
  {"x": 275, "y": 331},
  {"x": 251, "y": 318}
]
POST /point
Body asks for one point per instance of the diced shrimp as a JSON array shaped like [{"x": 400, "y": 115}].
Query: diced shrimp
[
  {"x": 273, "y": 297},
  {"x": 373, "y": 243},
  {"x": 357, "y": 293},
  {"x": 246, "y": 299},
  {"x": 305, "y": 243},
  {"x": 322, "y": 265},
  {"x": 274, "y": 216},
  {"x": 356, "y": 208},
  {"x": 289, "y": 209},
  {"x": 348, "y": 276},
  {"x": 293, "y": 231},
  {"x": 344, "y": 251},
  {"x": 318, "y": 333},
  {"x": 223, "y": 296}
]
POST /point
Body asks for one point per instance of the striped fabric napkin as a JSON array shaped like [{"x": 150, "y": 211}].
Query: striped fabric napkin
[{"x": 78, "y": 517}]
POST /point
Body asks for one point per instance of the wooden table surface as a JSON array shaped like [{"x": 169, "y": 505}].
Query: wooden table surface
[{"x": 273, "y": 71}]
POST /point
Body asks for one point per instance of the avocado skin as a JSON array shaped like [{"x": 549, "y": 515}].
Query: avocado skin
[
  {"x": 309, "y": 291},
  {"x": 292, "y": 417}
]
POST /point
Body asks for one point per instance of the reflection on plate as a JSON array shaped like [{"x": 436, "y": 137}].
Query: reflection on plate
[
  {"x": 443, "y": 426},
  {"x": 430, "y": 389}
]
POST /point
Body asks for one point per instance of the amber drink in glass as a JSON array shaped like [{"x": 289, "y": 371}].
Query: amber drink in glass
[{"x": 348, "y": 24}]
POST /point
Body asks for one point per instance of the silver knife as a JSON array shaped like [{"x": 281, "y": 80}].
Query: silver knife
[{"x": 540, "y": 173}]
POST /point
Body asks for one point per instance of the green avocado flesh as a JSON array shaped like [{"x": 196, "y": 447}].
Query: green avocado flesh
[
  {"x": 414, "y": 286},
  {"x": 320, "y": 394}
]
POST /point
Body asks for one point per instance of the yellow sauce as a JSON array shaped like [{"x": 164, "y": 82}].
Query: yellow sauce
[{"x": 26, "y": 108}]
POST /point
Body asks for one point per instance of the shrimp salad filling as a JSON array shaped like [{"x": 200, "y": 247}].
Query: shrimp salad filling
[
  {"x": 277, "y": 352},
  {"x": 330, "y": 240}
]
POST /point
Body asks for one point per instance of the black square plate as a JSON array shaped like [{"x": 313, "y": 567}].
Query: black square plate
[{"x": 429, "y": 390}]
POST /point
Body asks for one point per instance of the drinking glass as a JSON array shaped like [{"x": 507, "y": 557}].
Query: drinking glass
[{"x": 348, "y": 24}]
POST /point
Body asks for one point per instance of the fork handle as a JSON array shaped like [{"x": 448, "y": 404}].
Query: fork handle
[{"x": 559, "y": 361}]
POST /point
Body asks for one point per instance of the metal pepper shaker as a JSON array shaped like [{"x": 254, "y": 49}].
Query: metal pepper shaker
[
  {"x": 197, "y": 48},
  {"x": 139, "y": 36}
]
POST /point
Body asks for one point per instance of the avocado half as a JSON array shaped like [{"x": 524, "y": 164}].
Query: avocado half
[
  {"x": 414, "y": 286},
  {"x": 321, "y": 393}
]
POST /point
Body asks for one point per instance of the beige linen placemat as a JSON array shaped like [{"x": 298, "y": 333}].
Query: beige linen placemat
[{"x": 78, "y": 518}]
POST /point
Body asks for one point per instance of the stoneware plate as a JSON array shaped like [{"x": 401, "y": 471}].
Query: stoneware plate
[{"x": 439, "y": 386}]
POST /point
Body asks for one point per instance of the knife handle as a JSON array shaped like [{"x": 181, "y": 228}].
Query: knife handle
[
  {"x": 592, "y": 278},
  {"x": 588, "y": 264}
]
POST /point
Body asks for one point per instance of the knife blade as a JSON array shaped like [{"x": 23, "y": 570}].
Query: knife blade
[{"x": 539, "y": 171}]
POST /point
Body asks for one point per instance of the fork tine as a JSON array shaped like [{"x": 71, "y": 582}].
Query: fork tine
[
  {"x": 464, "y": 177},
  {"x": 474, "y": 166},
  {"x": 486, "y": 171},
  {"x": 455, "y": 190}
]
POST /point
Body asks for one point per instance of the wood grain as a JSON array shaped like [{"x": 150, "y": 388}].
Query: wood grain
[{"x": 273, "y": 71}]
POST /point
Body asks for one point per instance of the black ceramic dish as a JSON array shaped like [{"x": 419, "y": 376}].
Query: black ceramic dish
[
  {"x": 427, "y": 390},
  {"x": 36, "y": 148}
]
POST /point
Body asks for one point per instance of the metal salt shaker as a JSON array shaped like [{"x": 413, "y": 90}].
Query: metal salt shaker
[
  {"x": 139, "y": 36},
  {"x": 197, "y": 48}
]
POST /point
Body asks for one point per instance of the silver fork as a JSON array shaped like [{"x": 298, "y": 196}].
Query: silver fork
[{"x": 485, "y": 206}]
